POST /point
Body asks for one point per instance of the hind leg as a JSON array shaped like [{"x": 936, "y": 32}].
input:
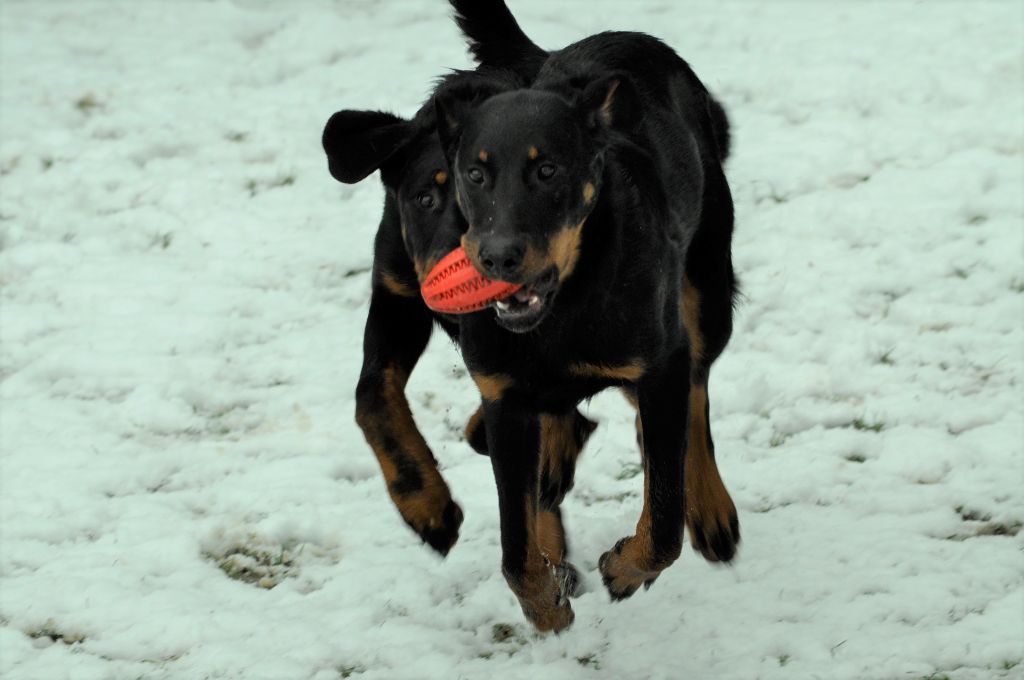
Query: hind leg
[{"x": 706, "y": 305}]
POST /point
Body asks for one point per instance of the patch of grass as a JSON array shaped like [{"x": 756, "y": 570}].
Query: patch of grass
[
  {"x": 937, "y": 675},
  {"x": 999, "y": 529},
  {"x": 777, "y": 440},
  {"x": 784, "y": 659},
  {"x": 46, "y": 163},
  {"x": 589, "y": 660},
  {"x": 865, "y": 426},
  {"x": 989, "y": 529},
  {"x": 629, "y": 471},
  {"x": 855, "y": 457},
  {"x": 604, "y": 498},
  {"x": 349, "y": 671},
  {"x": 8, "y": 166},
  {"x": 503, "y": 632},
  {"x": 236, "y": 136},
  {"x": 259, "y": 566},
  {"x": 1017, "y": 285},
  {"x": 255, "y": 187},
  {"x": 87, "y": 103},
  {"x": 960, "y": 273},
  {"x": 977, "y": 218},
  {"x": 50, "y": 630},
  {"x": 971, "y": 515},
  {"x": 162, "y": 241},
  {"x": 885, "y": 358}
]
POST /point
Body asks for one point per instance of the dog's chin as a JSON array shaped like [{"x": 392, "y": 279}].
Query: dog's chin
[{"x": 523, "y": 311}]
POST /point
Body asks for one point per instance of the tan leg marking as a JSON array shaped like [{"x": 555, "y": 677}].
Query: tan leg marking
[
  {"x": 492, "y": 385},
  {"x": 710, "y": 512},
  {"x": 631, "y": 371},
  {"x": 391, "y": 432}
]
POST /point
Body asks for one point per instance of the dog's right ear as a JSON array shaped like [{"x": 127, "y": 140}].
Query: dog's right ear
[{"x": 359, "y": 142}]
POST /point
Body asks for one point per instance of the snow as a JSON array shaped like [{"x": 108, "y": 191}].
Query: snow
[{"x": 184, "y": 493}]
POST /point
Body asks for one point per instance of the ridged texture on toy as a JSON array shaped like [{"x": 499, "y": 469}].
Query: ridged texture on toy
[{"x": 454, "y": 286}]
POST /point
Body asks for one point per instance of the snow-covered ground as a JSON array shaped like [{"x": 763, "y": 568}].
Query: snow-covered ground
[{"x": 185, "y": 493}]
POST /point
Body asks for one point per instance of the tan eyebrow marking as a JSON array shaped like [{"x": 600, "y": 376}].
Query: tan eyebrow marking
[
  {"x": 482, "y": 155},
  {"x": 533, "y": 152},
  {"x": 441, "y": 177},
  {"x": 588, "y": 192}
]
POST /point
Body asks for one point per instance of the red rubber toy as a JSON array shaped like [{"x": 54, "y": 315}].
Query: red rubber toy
[{"x": 454, "y": 286}]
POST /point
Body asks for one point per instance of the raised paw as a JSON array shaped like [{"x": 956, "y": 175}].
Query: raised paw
[
  {"x": 437, "y": 528},
  {"x": 620, "y": 573},
  {"x": 713, "y": 525}
]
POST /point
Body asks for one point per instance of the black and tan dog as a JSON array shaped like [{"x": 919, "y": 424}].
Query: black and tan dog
[
  {"x": 420, "y": 225},
  {"x": 599, "y": 188}
]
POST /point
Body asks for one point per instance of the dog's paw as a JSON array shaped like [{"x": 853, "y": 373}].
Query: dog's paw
[
  {"x": 620, "y": 573},
  {"x": 543, "y": 595},
  {"x": 713, "y": 525},
  {"x": 438, "y": 528},
  {"x": 555, "y": 618}
]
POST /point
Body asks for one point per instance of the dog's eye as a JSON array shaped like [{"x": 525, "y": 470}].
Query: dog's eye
[
  {"x": 475, "y": 175},
  {"x": 546, "y": 171},
  {"x": 425, "y": 201}
]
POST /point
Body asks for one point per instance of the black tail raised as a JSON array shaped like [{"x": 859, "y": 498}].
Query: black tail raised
[
  {"x": 720, "y": 127},
  {"x": 494, "y": 36}
]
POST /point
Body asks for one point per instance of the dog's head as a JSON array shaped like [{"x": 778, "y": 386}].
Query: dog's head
[
  {"x": 414, "y": 172},
  {"x": 527, "y": 166},
  {"x": 413, "y": 166}
]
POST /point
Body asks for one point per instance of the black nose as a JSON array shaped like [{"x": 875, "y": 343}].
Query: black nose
[{"x": 501, "y": 257}]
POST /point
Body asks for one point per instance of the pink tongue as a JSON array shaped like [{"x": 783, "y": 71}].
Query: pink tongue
[{"x": 523, "y": 294}]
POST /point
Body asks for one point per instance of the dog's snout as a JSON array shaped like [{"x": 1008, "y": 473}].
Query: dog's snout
[{"x": 501, "y": 257}]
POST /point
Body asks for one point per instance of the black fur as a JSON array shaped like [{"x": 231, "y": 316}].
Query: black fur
[
  {"x": 593, "y": 177},
  {"x": 420, "y": 223},
  {"x": 616, "y": 134}
]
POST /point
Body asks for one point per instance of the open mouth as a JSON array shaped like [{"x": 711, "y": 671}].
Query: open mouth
[{"x": 524, "y": 309}]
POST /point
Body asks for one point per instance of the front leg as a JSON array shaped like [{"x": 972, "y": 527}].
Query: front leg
[
  {"x": 513, "y": 439},
  {"x": 397, "y": 329},
  {"x": 637, "y": 560}
]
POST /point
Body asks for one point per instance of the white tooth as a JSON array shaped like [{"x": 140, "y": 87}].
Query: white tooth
[
  {"x": 534, "y": 300},
  {"x": 502, "y": 305}
]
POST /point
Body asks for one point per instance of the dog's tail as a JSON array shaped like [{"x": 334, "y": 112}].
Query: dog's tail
[
  {"x": 495, "y": 38},
  {"x": 719, "y": 127}
]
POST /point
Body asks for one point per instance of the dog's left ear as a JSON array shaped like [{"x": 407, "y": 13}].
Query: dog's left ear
[{"x": 611, "y": 102}]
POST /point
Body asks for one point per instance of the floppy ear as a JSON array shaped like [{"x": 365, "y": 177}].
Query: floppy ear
[
  {"x": 359, "y": 142},
  {"x": 611, "y": 102}
]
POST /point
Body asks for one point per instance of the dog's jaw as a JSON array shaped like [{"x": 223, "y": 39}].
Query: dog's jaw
[{"x": 525, "y": 309}]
